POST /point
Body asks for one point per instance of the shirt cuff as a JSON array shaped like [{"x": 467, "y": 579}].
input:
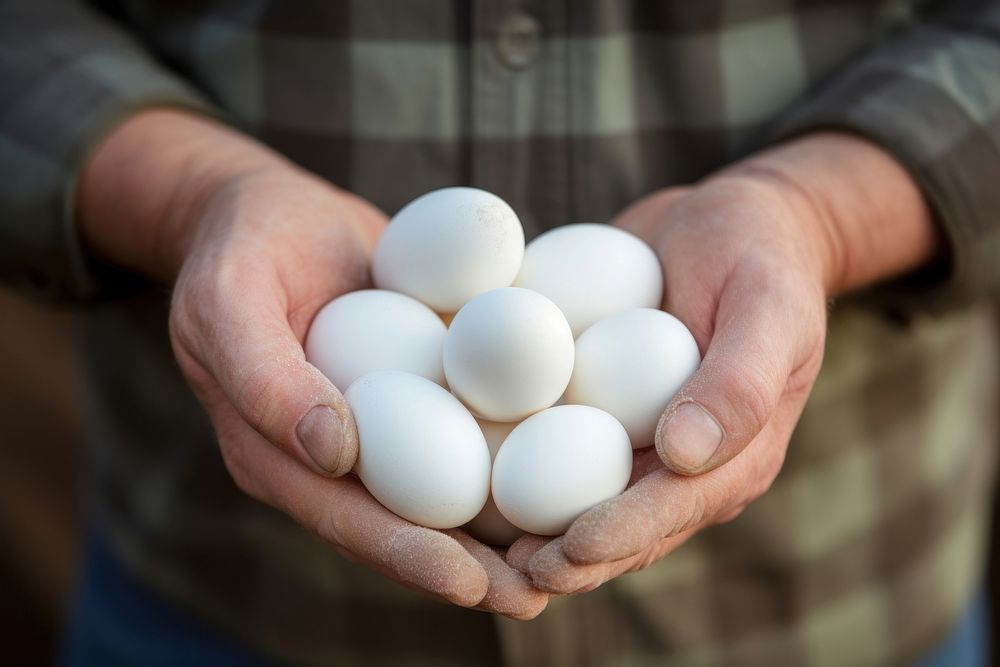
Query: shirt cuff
[
  {"x": 933, "y": 118},
  {"x": 45, "y": 139}
]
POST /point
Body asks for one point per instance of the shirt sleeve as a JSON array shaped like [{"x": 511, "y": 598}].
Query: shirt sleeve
[
  {"x": 931, "y": 97},
  {"x": 68, "y": 74}
]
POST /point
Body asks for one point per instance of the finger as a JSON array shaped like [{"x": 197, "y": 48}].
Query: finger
[
  {"x": 646, "y": 214},
  {"x": 510, "y": 592},
  {"x": 644, "y": 461},
  {"x": 663, "y": 503},
  {"x": 754, "y": 351},
  {"x": 246, "y": 345},
  {"x": 342, "y": 512},
  {"x": 520, "y": 553},
  {"x": 552, "y": 571}
]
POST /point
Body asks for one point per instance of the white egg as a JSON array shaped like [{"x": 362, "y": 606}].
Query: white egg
[
  {"x": 508, "y": 353},
  {"x": 591, "y": 271},
  {"x": 449, "y": 245},
  {"x": 559, "y": 463},
  {"x": 375, "y": 330},
  {"x": 422, "y": 454},
  {"x": 631, "y": 364},
  {"x": 489, "y": 525}
]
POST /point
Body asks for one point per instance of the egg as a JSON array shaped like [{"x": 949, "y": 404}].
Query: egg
[
  {"x": 508, "y": 353},
  {"x": 374, "y": 330},
  {"x": 448, "y": 246},
  {"x": 422, "y": 454},
  {"x": 591, "y": 271},
  {"x": 489, "y": 525},
  {"x": 559, "y": 463},
  {"x": 630, "y": 365}
]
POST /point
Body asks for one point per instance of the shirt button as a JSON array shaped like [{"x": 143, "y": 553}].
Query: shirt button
[{"x": 519, "y": 39}]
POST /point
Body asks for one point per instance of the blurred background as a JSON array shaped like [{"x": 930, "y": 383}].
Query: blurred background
[{"x": 42, "y": 434}]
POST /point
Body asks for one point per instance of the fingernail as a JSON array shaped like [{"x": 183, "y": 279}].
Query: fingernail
[
  {"x": 321, "y": 433},
  {"x": 689, "y": 437}
]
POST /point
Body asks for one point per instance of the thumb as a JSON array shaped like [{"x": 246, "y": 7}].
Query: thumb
[
  {"x": 742, "y": 377},
  {"x": 250, "y": 351}
]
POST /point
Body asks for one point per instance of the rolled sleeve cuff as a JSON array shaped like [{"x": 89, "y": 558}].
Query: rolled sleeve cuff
[
  {"x": 45, "y": 139},
  {"x": 949, "y": 145}
]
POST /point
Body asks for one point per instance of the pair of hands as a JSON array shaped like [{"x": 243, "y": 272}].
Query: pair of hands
[{"x": 255, "y": 246}]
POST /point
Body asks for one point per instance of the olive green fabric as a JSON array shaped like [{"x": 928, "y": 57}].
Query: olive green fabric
[{"x": 872, "y": 538}]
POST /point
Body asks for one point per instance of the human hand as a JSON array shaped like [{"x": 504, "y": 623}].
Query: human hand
[
  {"x": 258, "y": 247},
  {"x": 750, "y": 257}
]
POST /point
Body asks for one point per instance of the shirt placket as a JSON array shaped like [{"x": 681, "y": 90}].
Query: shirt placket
[
  {"x": 520, "y": 148},
  {"x": 519, "y": 115}
]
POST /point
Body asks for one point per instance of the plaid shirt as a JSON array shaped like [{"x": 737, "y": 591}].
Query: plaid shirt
[{"x": 871, "y": 539}]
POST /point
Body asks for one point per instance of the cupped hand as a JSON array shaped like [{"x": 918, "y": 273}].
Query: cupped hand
[
  {"x": 258, "y": 246},
  {"x": 750, "y": 257},
  {"x": 271, "y": 249},
  {"x": 743, "y": 269}
]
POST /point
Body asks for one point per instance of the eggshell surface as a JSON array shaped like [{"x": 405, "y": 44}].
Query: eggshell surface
[
  {"x": 630, "y": 365},
  {"x": 559, "y": 463},
  {"x": 591, "y": 271},
  {"x": 508, "y": 353},
  {"x": 422, "y": 454},
  {"x": 489, "y": 525},
  {"x": 449, "y": 245},
  {"x": 375, "y": 330}
]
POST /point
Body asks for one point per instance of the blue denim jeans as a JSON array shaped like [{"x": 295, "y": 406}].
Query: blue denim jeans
[
  {"x": 118, "y": 621},
  {"x": 969, "y": 641}
]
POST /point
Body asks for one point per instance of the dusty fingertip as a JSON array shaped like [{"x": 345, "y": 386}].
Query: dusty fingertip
[
  {"x": 511, "y": 593},
  {"x": 519, "y": 554},
  {"x": 531, "y": 609},
  {"x": 601, "y": 535},
  {"x": 468, "y": 588},
  {"x": 622, "y": 526},
  {"x": 552, "y": 572},
  {"x": 438, "y": 564},
  {"x": 513, "y": 596}
]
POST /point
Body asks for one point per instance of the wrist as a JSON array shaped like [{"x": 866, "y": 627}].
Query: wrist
[
  {"x": 141, "y": 192},
  {"x": 862, "y": 210}
]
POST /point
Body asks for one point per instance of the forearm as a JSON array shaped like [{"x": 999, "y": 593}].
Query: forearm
[
  {"x": 138, "y": 191},
  {"x": 99, "y": 75},
  {"x": 872, "y": 221}
]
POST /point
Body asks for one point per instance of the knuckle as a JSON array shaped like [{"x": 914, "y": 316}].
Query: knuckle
[
  {"x": 783, "y": 287},
  {"x": 758, "y": 489},
  {"x": 198, "y": 304},
  {"x": 724, "y": 494},
  {"x": 750, "y": 391},
  {"x": 732, "y": 514},
  {"x": 706, "y": 499},
  {"x": 689, "y": 513},
  {"x": 323, "y": 524},
  {"x": 647, "y": 558},
  {"x": 801, "y": 381},
  {"x": 329, "y": 521},
  {"x": 260, "y": 394},
  {"x": 762, "y": 482},
  {"x": 238, "y": 469},
  {"x": 179, "y": 320}
]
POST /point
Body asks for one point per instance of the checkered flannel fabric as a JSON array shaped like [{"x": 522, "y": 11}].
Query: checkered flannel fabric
[{"x": 870, "y": 541}]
